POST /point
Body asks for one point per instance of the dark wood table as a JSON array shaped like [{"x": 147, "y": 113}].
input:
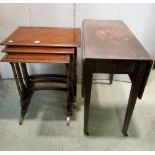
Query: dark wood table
[
  {"x": 110, "y": 47},
  {"x": 43, "y": 45}
]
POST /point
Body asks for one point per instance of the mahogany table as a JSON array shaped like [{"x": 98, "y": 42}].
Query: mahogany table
[
  {"x": 43, "y": 45},
  {"x": 45, "y": 37},
  {"x": 110, "y": 47}
]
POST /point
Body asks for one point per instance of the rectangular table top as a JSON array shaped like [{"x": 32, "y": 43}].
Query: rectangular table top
[
  {"x": 44, "y": 36},
  {"x": 36, "y": 58},
  {"x": 111, "y": 39},
  {"x": 34, "y": 49}
]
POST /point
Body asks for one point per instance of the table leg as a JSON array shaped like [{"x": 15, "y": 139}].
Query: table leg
[
  {"x": 75, "y": 74},
  {"x": 24, "y": 92},
  {"x": 16, "y": 79},
  {"x": 87, "y": 95},
  {"x": 111, "y": 76},
  {"x": 83, "y": 81},
  {"x": 72, "y": 82},
  {"x": 20, "y": 78},
  {"x": 25, "y": 96},
  {"x": 69, "y": 93},
  {"x": 136, "y": 84},
  {"x": 25, "y": 74}
]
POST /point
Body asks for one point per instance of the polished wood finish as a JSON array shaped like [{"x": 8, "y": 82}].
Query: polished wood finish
[
  {"x": 43, "y": 45},
  {"x": 32, "y": 49},
  {"x": 111, "y": 39},
  {"x": 39, "y": 58},
  {"x": 26, "y": 84},
  {"x": 48, "y": 50},
  {"x": 44, "y": 36},
  {"x": 45, "y": 40},
  {"x": 110, "y": 47}
]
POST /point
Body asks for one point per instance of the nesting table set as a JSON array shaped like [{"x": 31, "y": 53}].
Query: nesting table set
[
  {"x": 108, "y": 46},
  {"x": 43, "y": 45}
]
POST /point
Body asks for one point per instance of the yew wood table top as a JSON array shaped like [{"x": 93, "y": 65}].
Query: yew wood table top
[{"x": 44, "y": 36}]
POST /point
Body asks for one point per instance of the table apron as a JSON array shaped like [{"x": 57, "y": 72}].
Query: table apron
[{"x": 114, "y": 67}]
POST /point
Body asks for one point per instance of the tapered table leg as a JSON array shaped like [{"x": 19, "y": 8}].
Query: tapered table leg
[
  {"x": 25, "y": 94},
  {"x": 75, "y": 74},
  {"x": 72, "y": 70},
  {"x": 25, "y": 74},
  {"x": 69, "y": 92},
  {"x": 19, "y": 74},
  {"x": 87, "y": 97},
  {"x": 16, "y": 79},
  {"x": 83, "y": 80},
  {"x": 136, "y": 84}
]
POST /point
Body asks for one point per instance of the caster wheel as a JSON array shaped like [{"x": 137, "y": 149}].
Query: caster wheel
[
  {"x": 68, "y": 121},
  {"x": 125, "y": 134}
]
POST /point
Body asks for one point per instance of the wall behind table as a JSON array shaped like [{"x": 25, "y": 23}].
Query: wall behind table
[
  {"x": 11, "y": 16},
  {"x": 139, "y": 18}
]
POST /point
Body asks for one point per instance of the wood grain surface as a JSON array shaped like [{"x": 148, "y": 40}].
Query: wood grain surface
[
  {"x": 111, "y": 39},
  {"x": 44, "y": 36},
  {"x": 36, "y": 58}
]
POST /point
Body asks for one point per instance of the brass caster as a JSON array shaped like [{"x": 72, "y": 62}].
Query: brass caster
[{"x": 68, "y": 121}]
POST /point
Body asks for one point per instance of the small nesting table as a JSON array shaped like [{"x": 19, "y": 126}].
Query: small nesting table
[
  {"x": 110, "y": 47},
  {"x": 43, "y": 45}
]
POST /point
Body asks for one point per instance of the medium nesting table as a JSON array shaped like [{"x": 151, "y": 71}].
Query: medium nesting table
[
  {"x": 43, "y": 45},
  {"x": 110, "y": 47}
]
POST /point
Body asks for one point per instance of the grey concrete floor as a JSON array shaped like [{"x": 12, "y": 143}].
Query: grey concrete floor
[{"x": 45, "y": 127}]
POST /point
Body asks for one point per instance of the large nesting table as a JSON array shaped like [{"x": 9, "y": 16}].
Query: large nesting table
[{"x": 43, "y": 45}]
